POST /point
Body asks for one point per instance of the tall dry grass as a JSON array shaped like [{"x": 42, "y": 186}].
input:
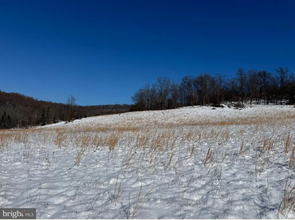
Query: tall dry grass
[
  {"x": 288, "y": 201},
  {"x": 161, "y": 138},
  {"x": 209, "y": 157},
  {"x": 287, "y": 144},
  {"x": 267, "y": 147},
  {"x": 149, "y": 133},
  {"x": 292, "y": 158},
  {"x": 60, "y": 136}
]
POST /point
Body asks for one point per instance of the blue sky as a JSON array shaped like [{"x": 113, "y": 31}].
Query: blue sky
[{"x": 101, "y": 51}]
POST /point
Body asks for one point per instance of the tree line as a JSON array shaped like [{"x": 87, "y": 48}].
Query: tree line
[
  {"x": 17, "y": 110},
  {"x": 252, "y": 86}
]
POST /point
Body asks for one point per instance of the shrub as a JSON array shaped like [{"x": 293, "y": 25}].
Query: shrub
[
  {"x": 218, "y": 105},
  {"x": 239, "y": 105}
]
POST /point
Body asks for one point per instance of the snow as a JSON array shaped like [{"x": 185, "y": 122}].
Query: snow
[{"x": 193, "y": 162}]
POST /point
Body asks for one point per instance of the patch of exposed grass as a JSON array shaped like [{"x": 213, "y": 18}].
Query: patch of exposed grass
[
  {"x": 112, "y": 141},
  {"x": 60, "y": 136}
]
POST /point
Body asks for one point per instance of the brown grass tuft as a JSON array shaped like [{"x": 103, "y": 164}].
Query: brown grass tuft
[
  {"x": 292, "y": 158},
  {"x": 161, "y": 141},
  {"x": 288, "y": 142},
  {"x": 142, "y": 140},
  {"x": 192, "y": 151},
  {"x": 137, "y": 203},
  {"x": 79, "y": 156},
  {"x": 288, "y": 201},
  {"x": 85, "y": 140},
  {"x": 209, "y": 157},
  {"x": 241, "y": 148},
  {"x": 267, "y": 146},
  {"x": 112, "y": 141},
  {"x": 170, "y": 159},
  {"x": 60, "y": 136}
]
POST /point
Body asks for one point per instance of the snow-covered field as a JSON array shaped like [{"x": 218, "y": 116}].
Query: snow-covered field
[{"x": 194, "y": 162}]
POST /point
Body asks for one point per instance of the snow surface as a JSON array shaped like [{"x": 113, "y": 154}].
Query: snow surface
[{"x": 193, "y": 162}]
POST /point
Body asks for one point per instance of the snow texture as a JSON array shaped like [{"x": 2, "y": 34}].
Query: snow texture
[{"x": 193, "y": 162}]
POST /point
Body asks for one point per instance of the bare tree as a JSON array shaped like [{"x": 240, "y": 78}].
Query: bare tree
[
  {"x": 283, "y": 74},
  {"x": 264, "y": 78},
  {"x": 253, "y": 85},
  {"x": 206, "y": 88},
  {"x": 187, "y": 90},
  {"x": 71, "y": 103},
  {"x": 283, "y": 77},
  {"x": 242, "y": 80},
  {"x": 174, "y": 95},
  {"x": 163, "y": 88}
]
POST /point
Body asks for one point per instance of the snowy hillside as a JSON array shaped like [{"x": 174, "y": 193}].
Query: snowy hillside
[{"x": 194, "y": 162}]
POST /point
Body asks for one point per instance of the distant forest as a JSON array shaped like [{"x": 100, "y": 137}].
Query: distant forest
[
  {"x": 17, "y": 110},
  {"x": 252, "y": 86}
]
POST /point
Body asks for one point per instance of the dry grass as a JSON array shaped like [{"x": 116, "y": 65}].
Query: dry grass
[
  {"x": 142, "y": 141},
  {"x": 118, "y": 189},
  {"x": 162, "y": 136},
  {"x": 287, "y": 144},
  {"x": 139, "y": 201},
  {"x": 170, "y": 159},
  {"x": 5, "y": 137},
  {"x": 241, "y": 148},
  {"x": 141, "y": 131},
  {"x": 16, "y": 136},
  {"x": 209, "y": 157},
  {"x": 192, "y": 151},
  {"x": 162, "y": 141},
  {"x": 254, "y": 120},
  {"x": 112, "y": 141},
  {"x": 60, "y": 136},
  {"x": 154, "y": 133},
  {"x": 106, "y": 128},
  {"x": 267, "y": 146},
  {"x": 292, "y": 158},
  {"x": 288, "y": 202},
  {"x": 21, "y": 136},
  {"x": 139, "y": 123},
  {"x": 226, "y": 135},
  {"x": 85, "y": 140},
  {"x": 79, "y": 156},
  {"x": 130, "y": 156},
  {"x": 189, "y": 135}
]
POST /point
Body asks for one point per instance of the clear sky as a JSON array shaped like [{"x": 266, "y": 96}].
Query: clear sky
[{"x": 102, "y": 51}]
